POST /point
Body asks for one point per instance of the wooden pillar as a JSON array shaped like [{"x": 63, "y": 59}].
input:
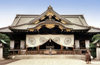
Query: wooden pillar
[
  {"x": 26, "y": 49},
  {"x": 61, "y": 49},
  {"x": 13, "y": 52},
  {"x": 73, "y": 50},
  {"x": 38, "y": 48}
]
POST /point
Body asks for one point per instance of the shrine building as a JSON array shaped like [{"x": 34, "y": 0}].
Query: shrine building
[{"x": 49, "y": 33}]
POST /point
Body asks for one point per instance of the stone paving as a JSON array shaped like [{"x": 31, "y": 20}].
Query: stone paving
[
  {"x": 52, "y": 61},
  {"x": 4, "y": 62}
]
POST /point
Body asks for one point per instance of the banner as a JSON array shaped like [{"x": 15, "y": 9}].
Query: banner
[{"x": 37, "y": 40}]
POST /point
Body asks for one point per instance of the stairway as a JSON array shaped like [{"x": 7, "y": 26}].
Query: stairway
[{"x": 48, "y": 56}]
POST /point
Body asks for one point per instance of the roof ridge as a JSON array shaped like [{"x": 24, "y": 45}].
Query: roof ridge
[
  {"x": 50, "y": 10},
  {"x": 40, "y": 14}
]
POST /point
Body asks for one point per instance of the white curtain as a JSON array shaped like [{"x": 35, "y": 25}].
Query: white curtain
[
  {"x": 12, "y": 44},
  {"x": 37, "y": 40},
  {"x": 64, "y": 40},
  {"x": 87, "y": 43},
  {"x": 22, "y": 45},
  {"x": 77, "y": 44}
]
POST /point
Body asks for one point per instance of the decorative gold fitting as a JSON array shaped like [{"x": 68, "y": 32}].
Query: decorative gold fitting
[
  {"x": 50, "y": 26},
  {"x": 63, "y": 22},
  {"x": 39, "y": 27},
  {"x": 57, "y": 18},
  {"x": 42, "y": 18},
  {"x": 36, "y": 22},
  {"x": 50, "y": 13},
  {"x": 68, "y": 30},
  {"x": 31, "y": 30},
  {"x": 61, "y": 27}
]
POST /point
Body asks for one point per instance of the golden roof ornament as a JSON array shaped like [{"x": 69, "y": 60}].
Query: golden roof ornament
[
  {"x": 50, "y": 7},
  {"x": 49, "y": 12},
  {"x": 68, "y": 30}
]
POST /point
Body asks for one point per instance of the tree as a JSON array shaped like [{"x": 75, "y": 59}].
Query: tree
[
  {"x": 93, "y": 45},
  {"x": 96, "y": 39},
  {"x": 6, "y": 39},
  {"x": 93, "y": 50}
]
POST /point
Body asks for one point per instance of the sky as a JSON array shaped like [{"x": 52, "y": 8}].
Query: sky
[{"x": 89, "y": 8}]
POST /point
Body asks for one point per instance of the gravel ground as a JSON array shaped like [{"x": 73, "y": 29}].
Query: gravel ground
[
  {"x": 52, "y": 61},
  {"x": 48, "y": 60},
  {"x": 4, "y": 62}
]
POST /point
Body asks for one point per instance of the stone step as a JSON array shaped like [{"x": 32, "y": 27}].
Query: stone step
[{"x": 47, "y": 56}]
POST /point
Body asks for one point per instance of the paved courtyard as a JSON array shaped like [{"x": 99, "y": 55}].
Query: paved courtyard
[
  {"x": 52, "y": 61},
  {"x": 4, "y": 62}
]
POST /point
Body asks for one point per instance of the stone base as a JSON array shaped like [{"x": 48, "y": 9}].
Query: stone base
[{"x": 82, "y": 57}]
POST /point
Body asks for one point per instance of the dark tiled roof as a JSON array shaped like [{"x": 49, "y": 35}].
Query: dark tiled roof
[
  {"x": 5, "y": 29},
  {"x": 23, "y": 21}
]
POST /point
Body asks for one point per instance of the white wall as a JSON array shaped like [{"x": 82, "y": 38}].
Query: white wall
[
  {"x": 22, "y": 44},
  {"x": 12, "y": 44},
  {"x": 77, "y": 44},
  {"x": 87, "y": 43},
  {"x": 1, "y": 53},
  {"x": 98, "y": 53}
]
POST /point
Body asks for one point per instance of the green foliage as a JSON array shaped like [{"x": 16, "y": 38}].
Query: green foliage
[
  {"x": 92, "y": 45},
  {"x": 5, "y": 46},
  {"x": 96, "y": 38},
  {"x": 5, "y": 38},
  {"x": 93, "y": 50}
]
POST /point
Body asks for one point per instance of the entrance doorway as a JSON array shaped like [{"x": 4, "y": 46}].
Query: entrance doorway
[
  {"x": 50, "y": 44},
  {"x": 50, "y": 47}
]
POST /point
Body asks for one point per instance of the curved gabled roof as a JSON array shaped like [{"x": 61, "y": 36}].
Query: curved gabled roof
[
  {"x": 5, "y": 29},
  {"x": 94, "y": 30},
  {"x": 75, "y": 22},
  {"x": 23, "y": 19}
]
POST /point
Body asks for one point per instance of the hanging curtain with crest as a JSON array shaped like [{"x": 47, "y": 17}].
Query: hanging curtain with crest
[{"x": 37, "y": 40}]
